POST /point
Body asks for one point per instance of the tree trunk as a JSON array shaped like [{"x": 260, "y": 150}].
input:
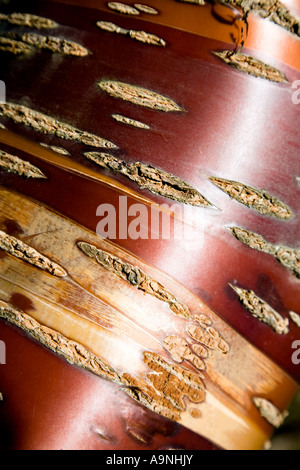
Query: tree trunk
[{"x": 149, "y": 221}]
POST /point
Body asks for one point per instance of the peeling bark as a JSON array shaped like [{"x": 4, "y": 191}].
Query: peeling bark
[
  {"x": 288, "y": 257},
  {"x": 256, "y": 199},
  {"x": 268, "y": 411},
  {"x": 70, "y": 350},
  {"x": 22, "y": 251},
  {"x": 141, "y": 36},
  {"x": 48, "y": 125},
  {"x": 155, "y": 180},
  {"x": 139, "y": 96},
  {"x": 13, "y": 164},
  {"x": 135, "y": 276},
  {"x": 123, "y": 8},
  {"x": 261, "y": 310},
  {"x": 252, "y": 66},
  {"x": 26, "y": 19}
]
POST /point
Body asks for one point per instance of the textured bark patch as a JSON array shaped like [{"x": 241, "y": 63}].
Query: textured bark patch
[
  {"x": 256, "y": 199},
  {"x": 21, "y": 250},
  {"x": 16, "y": 165},
  {"x": 165, "y": 387},
  {"x": 180, "y": 350},
  {"x": 130, "y": 122},
  {"x": 139, "y": 96},
  {"x": 26, "y": 19},
  {"x": 295, "y": 317},
  {"x": 288, "y": 257},
  {"x": 72, "y": 351},
  {"x": 252, "y": 66},
  {"x": 145, "y": 9},
  {"x": 48, "y": 125},
  {"x": 261, "y": 310},
  {"x": 123, "y": 8},
  {"x": 273, "y": 10},
  {"x": 14, "y": 47},
  {"x": 54, "y": 44},
  {"x": 56, "y": 149},
  {"x": 196, "y": 2},
  {"x": 141, "y": 36},
  {"x": 208, "y": 336},
  {"x": 135, "y": 276},
  {"x": 153, "y": 179},
  {"x": 270, "y": 412}
]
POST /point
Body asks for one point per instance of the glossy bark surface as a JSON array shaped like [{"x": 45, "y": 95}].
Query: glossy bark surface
[{"x": 233, "y": 126}]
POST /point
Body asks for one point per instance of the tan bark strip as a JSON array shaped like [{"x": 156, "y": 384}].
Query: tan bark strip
[
  {"x": 139, "y": 96},
  {"x": 135, "y": 276},
  {"x": 72, "y": 351},
  {"x": 26, "y": 19},
  {"x": 145, "y": 9},
  {"x": 56, "y": 149},
  {"x": 196, "y": 2},
  {"x": 153, "y": 179},
  {"x": 252, "y": 66},
  {"x": 16, "y": 165},
  {"x": 288, "y": 257},
  {"x": 48, "y": 125},
  {"x": 261, "y": 310},
  {"x": 21, "y": 250},
  {"x": 295, "y": 317},
  {"x": 123, "y": 8},
  {"x": 165, "y": 387},
  {"x": 141, "y": 36},
  {"x": 207, "y": 335},
  {"x": 54, "y": 44},
  {"x": 256, "y": 199},
  {"x": 180, "y": 350},
  {"x": 270, "y": 412},
  {"x": 130, "y": 122},
  {"x": 273, "y": 10},
  {"x": 14, "y": 47}
]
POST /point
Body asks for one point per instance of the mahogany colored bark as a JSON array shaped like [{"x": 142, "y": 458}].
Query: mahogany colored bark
[{"x": 233, "y": 126}]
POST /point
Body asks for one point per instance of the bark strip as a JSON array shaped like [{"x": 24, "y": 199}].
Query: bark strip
[
  {"x": 49, "y": 125},
  {"x": 130, "y": 122},
  {"x": 268, "y": 411},
  {"x": 16, "y": 165},
  {"x": 261, "y": 310},
  {"x": 256, "y": 199},
  {"x": 135, "y": 276},
  {"x": 288, "y": 257},
  {"x": 145, "y": 9},
  {"x": 153, "y": 179},
  {"x": 252, "y": 66},
  {"x": 72, "y": 351},
  {"x": 14, "y": 47},
  {"x": 54, "y": 44},
  {"x": 123, "y": 8},
  {"x": 26, "y": 19},
  {"x": 139, "y": 96},
  {"x": 141, "y": 36},
  {"x": 22, "y": 251},
  {"x": 295, "y": 317}
]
